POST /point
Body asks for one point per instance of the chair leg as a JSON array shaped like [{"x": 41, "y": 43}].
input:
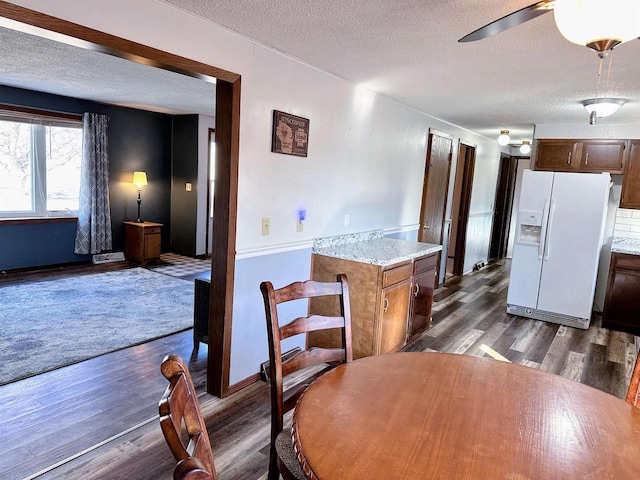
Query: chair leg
[
  {"x": 196, "y": 344},
  {"x": 274, "y": 472}
]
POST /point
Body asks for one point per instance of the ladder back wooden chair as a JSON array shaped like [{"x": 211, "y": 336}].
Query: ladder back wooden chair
[
  {"x": 181, "y": 418},
  {"x": 282, "y": 458},
  {"x": 633, "y": 392}
]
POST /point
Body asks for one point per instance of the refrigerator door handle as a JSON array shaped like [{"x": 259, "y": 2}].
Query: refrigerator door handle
[
  {"x": 547, "y": 247},
  {"x": 543, "y": 228}
]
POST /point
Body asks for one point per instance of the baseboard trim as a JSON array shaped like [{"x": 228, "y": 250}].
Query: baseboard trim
[{"x": 242, "y": 384}]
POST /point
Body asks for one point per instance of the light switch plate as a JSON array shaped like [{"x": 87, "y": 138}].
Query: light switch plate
[{"x": 188, "y": 186}]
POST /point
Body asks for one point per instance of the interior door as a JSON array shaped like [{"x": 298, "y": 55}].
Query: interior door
[{"x": 435, "y": 187}]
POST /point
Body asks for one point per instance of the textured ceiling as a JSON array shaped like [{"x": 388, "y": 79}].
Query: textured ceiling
[
  {"x": 408, "y": 50},
  {"x": 405, "y": 49},
  {"x": 48, "y": 66}
]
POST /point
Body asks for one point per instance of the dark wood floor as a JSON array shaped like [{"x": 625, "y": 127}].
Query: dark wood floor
[{"x": 52, "y": 417}]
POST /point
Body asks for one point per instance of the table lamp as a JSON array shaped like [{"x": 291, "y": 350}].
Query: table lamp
[{"x": 139, "y": 179}]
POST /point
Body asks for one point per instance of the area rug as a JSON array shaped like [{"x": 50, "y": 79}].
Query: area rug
[{"x": 49, "y": 324}]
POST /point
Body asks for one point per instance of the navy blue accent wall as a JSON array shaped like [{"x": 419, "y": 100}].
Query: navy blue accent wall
[
  {"x": 185, "y": 168},
  {"x": 33, "y": 244},
  {"x": 138, "y": 140}
]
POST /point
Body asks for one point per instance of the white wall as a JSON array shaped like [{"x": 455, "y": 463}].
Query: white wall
[
  {"x": 205, "y": 122},
  {"x": 366, "y": 155}
]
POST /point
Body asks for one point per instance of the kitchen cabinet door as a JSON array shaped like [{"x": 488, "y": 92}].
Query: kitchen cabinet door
[
  {"x": 392, "y": 331},
  {"x": 622, "y": 302},
  {"x": 557, "y": 155},
  {"x": 630, "y": 197},
  {"x": 602, "y": 156},
  {"x": 422, "y": 296}
]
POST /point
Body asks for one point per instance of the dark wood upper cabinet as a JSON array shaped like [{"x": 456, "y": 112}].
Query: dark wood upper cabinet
[
  {"x": 602, "y": 156},
  {"x": 570, "y": 155},
  {"x": 556, "y": 155},
  {"x": 631, "y": 179}
]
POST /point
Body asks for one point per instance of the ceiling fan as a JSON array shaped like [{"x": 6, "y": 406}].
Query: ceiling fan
[{"x": 598, "y": 24}]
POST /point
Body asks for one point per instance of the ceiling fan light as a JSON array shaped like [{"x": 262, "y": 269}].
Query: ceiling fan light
[
  {"x": 590, "y": 21},
  {"x": 504, "y": 138},
  {"x": 603, "y": 106},
  {"x": 525, "y": 148}
]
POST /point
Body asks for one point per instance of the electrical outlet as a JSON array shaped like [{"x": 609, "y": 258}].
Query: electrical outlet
[
  {"x": 266, "y": 224},
  {"x": 188, "y": 186},
  {"x": 347, "y": 220},
  {"x": 299, "y": 226}
]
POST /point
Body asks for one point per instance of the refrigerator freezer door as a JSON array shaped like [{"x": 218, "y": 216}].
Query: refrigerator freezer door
[
  {"x": 526, "y": 265},
  {"x": 574, "y": 239}
]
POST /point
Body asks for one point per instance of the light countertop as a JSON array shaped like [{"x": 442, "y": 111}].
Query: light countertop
[
  {"x": 630, "y": 246},
  {"x": 378, "y": 251}
]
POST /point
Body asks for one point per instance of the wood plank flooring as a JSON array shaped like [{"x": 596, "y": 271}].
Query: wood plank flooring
[{"x": 52, "y": 417}]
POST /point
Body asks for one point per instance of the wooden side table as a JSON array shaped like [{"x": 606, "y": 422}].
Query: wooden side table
[{"x": 142, "y": 241}]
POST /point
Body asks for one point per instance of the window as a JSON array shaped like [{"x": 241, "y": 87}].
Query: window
[{"x": 39, "y": 166}]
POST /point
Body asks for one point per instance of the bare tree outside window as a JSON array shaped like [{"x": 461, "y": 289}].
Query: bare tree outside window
[{"x": 39, "y": 169}]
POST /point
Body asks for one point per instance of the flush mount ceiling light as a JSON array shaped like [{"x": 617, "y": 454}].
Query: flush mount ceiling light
[
  {"x": 504, "y": 139},
  {"x": 603, "y": 107},
  {"x": 525, "y": 148}
]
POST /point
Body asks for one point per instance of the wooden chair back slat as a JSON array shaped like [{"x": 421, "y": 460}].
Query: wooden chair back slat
[
  {"x": 306, "y": 358},
  {"x": 307, "y": 289},
  {"x": 310, "y": 324},
  {"x": 179, "y": 407}
]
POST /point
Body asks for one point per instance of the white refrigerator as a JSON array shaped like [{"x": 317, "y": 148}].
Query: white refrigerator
[{"x": 559, "y": 231}]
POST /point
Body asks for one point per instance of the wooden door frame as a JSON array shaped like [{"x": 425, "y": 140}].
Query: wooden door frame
[
  {"x": 227, "y": 126},
  {"x": 465, "y": 205}
]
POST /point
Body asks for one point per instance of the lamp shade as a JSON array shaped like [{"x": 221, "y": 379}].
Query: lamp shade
[
  {"x": 525, "y": 148},
  {"x": 139, "y": 179},
  {"x": 603, "y": 106},
  {"x": 590, "y": 21},
  {"x": 504, "y": 138}
]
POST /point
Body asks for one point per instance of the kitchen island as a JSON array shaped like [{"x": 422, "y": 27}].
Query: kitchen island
[{"x": 391, "y": 285}]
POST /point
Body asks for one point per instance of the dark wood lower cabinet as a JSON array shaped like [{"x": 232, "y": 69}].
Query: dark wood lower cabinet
[
  {"x": 622, "y": 301},
  {"x": 424, "y": 281}
]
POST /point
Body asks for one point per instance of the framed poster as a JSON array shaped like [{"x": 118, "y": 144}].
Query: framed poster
[{"x": 290, "y": 134}]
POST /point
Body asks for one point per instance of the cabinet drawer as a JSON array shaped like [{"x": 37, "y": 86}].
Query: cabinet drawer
[
  {"x": 425, "y": 263},
  {"x": 397, "y": 274},
  {"x": 151, "y": 230}
]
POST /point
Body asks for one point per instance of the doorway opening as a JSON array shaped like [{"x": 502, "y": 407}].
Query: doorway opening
[
  {"x": 456, "y": 247},
  {"x": 227, "y": 125},
  {"x": 502, "y": 207}
]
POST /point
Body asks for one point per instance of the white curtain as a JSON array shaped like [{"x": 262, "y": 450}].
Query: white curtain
[{"x": 94, "y": 214}]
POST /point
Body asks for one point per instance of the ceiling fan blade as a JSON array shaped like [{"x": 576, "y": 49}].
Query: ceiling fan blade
[{"x": 513, "y": 19}]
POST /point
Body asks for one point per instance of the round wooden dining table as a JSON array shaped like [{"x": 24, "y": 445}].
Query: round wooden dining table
[{"x": 446, "y": 416}]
